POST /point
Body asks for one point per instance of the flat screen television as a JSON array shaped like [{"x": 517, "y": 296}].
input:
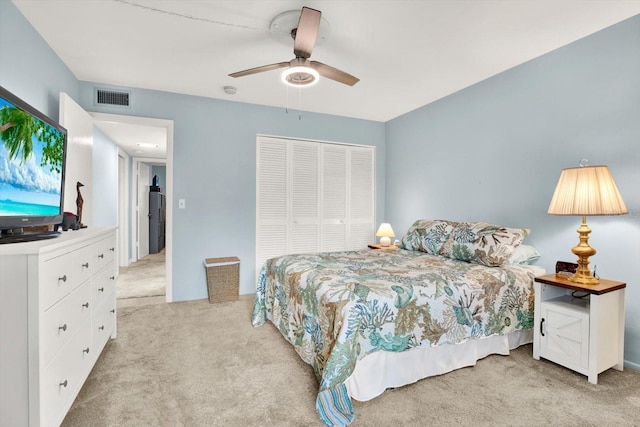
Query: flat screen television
[{"x": 32, "y": 168}]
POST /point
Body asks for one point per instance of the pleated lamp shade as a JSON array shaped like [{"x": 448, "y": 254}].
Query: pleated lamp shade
[{"x": 588, "y": 190}]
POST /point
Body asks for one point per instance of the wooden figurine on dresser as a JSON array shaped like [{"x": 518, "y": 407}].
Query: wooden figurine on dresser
[{"x": 79, "y": 203}]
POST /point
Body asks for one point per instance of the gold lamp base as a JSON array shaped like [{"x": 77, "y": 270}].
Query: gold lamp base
[{"x": 583, "y": 251}]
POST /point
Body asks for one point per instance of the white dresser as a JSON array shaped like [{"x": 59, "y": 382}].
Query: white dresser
[{"x": 57, "y": 311}]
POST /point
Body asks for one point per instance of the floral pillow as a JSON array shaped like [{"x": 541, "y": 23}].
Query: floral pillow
[
  {"x": 482, "y": 243},
  {"x": 427, "y": 235}
]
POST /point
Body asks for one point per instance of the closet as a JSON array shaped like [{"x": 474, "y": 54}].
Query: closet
[{"x": 312, "y": 197}]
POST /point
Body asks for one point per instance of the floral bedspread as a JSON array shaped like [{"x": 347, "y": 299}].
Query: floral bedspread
[{"x": 337, "y": 307}]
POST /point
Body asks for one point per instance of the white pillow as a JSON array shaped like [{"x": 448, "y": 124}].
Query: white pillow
[{"x": 524, "y": 254}]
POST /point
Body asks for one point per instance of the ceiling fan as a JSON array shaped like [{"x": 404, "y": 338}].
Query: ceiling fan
[{"x": 300, "y": 71}]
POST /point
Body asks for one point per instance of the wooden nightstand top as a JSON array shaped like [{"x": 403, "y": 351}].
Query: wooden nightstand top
[
  {"x": 377, "y": 246},
  {"x": 563, "y": 282}
]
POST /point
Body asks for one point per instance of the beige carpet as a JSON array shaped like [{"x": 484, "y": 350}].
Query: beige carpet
[
  {"x": 198, "y": 364},
  {"x": 143, "y": 278}
]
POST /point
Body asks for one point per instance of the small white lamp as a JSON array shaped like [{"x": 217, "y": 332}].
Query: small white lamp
[{"x": 385, "y": 232}]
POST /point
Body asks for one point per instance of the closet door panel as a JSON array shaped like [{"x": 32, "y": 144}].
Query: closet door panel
[
  {"x": 272, "y": 200},
  {"x": 361, "y": 197},
  {"x": 334, "y": 198},
  {"x": 304, "y": 200}
]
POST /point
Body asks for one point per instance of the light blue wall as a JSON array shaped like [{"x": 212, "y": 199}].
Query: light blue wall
[
  {"x": 494, "y": 152},
  {"x": 28, "y": 67},
  {"x": 105, "y": 179},
  {"x": 214, "y": 157}
]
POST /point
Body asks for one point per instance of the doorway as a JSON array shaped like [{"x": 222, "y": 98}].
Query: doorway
[{"x": 127, "y": 132}]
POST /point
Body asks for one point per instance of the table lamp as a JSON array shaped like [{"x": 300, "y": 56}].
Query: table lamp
[
  {"x": 586, "y": 190},
  {"x": 385, "y": 232}
]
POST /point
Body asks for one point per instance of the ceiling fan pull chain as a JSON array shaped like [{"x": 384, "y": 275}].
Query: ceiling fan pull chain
[
  {"x": 299, "y": 103},
  {"x": 286, "y": 107}
]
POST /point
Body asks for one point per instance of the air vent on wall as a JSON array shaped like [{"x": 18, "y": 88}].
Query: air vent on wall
[{"x": 111, "y": 98}]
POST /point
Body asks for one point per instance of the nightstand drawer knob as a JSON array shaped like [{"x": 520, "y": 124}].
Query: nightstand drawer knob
[{"x": 541, "y": 328}]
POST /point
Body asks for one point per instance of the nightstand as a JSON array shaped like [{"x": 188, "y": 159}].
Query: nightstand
[
  {"x": 582, "y": 334},
  {"x": 377, "y": 246}
]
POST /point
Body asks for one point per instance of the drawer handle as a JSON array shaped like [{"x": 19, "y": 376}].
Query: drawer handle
[
  {"x": 85, "y": 305},
  {"x": 112, "y": 249},
  {"x": 101, "y": 289},
  {"x": 101, "y": 256},
  {"x": 63, "y": 327},
  {"x": 64, "y": 384},
  {"x": 113, "y": 311},
  {"x": 101, "y": 327},
  {"x": 63, "y": 278},
  {"x": 86, "y": 350},
  {"x": 541, "y": 323},
  {"x": 86, "y": 265},
  {"x": 112, "y": 278}
]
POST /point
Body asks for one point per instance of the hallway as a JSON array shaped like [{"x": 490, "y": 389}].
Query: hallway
[{"x": 143, "y": 282}]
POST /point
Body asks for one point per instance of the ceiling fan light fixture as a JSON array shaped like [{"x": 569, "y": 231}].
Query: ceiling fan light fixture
[{"x": 300, "y": 76}]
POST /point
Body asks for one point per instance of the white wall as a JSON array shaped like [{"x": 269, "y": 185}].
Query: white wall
[{"x": 105, "y": 180}]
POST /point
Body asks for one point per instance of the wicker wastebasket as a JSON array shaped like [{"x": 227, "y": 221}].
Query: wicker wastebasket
[{"x": 223, "y": 278}]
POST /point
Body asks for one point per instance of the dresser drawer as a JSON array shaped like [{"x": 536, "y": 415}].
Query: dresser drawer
[
  {"x": 59, "y": 276},
  {"x": 104, "y": 252},
  {"x": 63, "y": 377},
  {"x": 84, "y": 262},
  {"x": 63, "y": 320},
  {"x": 103, "y": 284},
  {"x": 103, "y": 322}
]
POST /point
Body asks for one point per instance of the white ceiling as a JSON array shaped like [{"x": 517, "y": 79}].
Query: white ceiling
[{"x": 407, "y": 53}]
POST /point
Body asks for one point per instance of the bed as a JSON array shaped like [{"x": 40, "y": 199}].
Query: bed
[{"x": 367, "y": 320}]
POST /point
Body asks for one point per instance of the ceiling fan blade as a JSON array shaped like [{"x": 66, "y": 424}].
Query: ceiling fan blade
[
  {"x": 333, "y": 73},
  {"x": 261, "y": 69},
  {"x": 306, "y": 32}
]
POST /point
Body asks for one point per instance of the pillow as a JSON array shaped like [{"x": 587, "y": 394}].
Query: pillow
[
  {"x": 524, "y": 254},
  {"x": 482, "y": 243},
  {"x": 427, "y": 235}
]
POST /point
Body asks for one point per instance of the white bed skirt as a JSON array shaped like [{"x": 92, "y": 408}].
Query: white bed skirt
[{"x": 381, "y": 370}]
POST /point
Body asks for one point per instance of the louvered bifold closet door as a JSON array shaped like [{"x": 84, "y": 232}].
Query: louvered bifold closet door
[
  {"x": 272, "y": 200},
  {"x": 334, "y": 198},
  {"x": 304, "y": 201},
  {"x": 312, "y": 197},
  {"x": 361, "y": 197}
]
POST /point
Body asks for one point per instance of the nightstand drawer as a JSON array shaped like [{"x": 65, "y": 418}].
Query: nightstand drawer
[{"x": 564, "y": 328}]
